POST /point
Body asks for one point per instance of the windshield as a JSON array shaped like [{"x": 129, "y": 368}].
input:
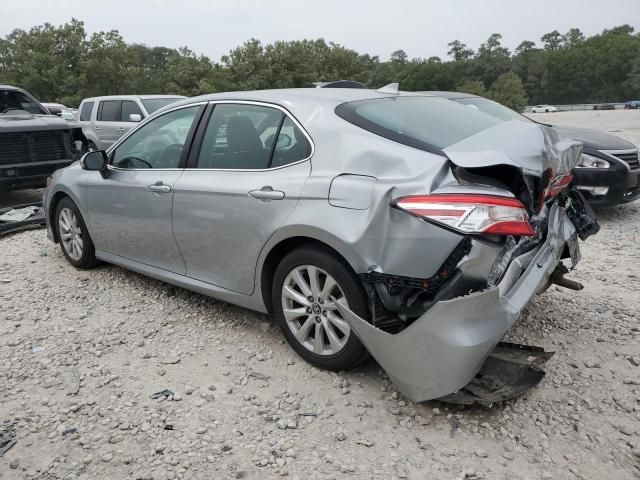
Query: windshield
[
  {"x": 153, "y": 104},
  {"x": 427, "y": 123},
  {"x": 492, "y": 108},
  {"x": 13, "y": 101}
]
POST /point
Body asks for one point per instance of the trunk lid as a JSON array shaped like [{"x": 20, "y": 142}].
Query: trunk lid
[{"x": 537, "y": 157}]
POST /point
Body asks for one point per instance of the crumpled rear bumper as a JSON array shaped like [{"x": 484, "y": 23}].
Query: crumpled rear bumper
[{"x": 442, "y": 351}]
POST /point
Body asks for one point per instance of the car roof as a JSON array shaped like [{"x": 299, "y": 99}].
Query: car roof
[
  {"x": 300, "y": 101},
  {"x": 129, "y": 97},
  {"x": 337, "y": 95}
]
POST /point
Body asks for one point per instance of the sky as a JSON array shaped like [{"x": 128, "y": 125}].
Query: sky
[{"x": 422, "y": 28}]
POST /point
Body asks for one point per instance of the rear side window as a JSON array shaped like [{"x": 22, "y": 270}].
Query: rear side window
[
  {"x": 234, "y": 137},
  {"x": 251, "y": 137},
  {"x": 130, "y": 107},
  {"x": 85, "y": 111},
  {"x": 292, "y": 146},
  {"x": 427, "y": 123},
  {"x": 109, "y": 111}
]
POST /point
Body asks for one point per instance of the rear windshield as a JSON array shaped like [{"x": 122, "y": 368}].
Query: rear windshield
[
  {"x": 492, "y": 108},
  {"x": 427, "y": 123},
  {"x": 153, "y": 104}
]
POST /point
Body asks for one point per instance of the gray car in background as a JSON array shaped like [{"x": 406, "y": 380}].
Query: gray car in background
[
  {"x": 105, "y": 119},
  {"x": 406, "y": 226}
]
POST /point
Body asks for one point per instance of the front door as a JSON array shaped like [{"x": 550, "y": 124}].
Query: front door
[
  {"x": 130, "y": 211},
  {"x": 245, "y": 181}
]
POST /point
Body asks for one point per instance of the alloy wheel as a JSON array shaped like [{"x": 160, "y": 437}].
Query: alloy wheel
[
  {"x": 309, "y": 295},
  {"x": 70, "y": 233}
]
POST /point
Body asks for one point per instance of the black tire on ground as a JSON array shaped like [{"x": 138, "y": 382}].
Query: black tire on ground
[
  {"x": 88, "y": 257},
  {"x": 353, "y": 351}
]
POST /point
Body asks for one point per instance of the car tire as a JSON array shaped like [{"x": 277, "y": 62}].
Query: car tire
[
  {"x": 546, "y": 110},
  {"x": 75, "y": 241},
  {"x": 335, "y": 353}
]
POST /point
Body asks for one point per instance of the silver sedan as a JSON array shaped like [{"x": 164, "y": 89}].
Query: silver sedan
[{"x": 401, "y": 225}]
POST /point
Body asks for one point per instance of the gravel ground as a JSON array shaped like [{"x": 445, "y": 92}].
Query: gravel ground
[{"x": 82, "y": 351}]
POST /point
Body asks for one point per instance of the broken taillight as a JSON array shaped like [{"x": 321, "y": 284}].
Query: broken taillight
[{"x": 470, "y": 213}]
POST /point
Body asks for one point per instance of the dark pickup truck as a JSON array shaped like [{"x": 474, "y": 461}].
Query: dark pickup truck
[{"x": 33, "y": 143}]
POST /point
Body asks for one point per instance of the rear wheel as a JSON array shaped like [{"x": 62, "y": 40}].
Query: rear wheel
[
  {"x": 307, "y": 284},
  {"x": 75, "y": 241}
]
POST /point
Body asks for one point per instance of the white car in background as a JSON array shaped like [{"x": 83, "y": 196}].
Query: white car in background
[
  {"x": 105, "y": 119},
  {"x": 543, "y": 109},
  {"x": 61, "y": 111}
]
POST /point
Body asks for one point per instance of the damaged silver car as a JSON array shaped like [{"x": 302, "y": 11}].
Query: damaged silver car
[{"x": 405, "y": 226}]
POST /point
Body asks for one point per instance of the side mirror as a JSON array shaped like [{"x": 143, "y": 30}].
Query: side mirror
[
  {"x": 55, "y": 111},
  {"x": 135, "y": 117},
  {"x": 96, "y": 160}
]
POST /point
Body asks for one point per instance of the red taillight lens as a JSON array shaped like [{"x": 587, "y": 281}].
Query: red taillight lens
[{"x": 471, "y": 213}]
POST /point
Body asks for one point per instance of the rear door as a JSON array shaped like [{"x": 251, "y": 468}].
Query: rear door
[{"x": 244, "y": 178}]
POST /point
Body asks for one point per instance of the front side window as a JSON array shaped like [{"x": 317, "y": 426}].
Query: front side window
[
  {"x": 427, "y": 123},
  {"x": 85, "y": 111},
  {"x": 109, "y": 111},
  {"x": 130, "y": 107},
  {"x": 157, "y": 144},
  {"x": 251, "y": 137}
]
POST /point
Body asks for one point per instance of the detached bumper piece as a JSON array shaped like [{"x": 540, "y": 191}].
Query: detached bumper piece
[
  {"x": 509, "y": 371},
  {"x": 21, "y": 217}
]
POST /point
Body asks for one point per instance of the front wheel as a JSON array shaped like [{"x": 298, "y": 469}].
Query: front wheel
[
  {"x": 307, "y": 284},
  {"x": 74, "y": 237}
]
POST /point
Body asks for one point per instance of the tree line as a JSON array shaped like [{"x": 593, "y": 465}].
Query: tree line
[{"x": 65, "y": 64}]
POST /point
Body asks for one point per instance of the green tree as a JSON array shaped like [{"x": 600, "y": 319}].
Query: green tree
[
  {"x": 492, "y": 60},
  {"x": 459, "y": 51},
  {"x": 509, "y": 91},
  {"x": 64, "y": 63},
  {"x": 474, "y": 87},
  {"x": 572, "y": 38},
  {"x": 552, "y": 40}
]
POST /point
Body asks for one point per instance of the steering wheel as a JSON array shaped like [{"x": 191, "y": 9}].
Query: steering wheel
[
  {"x": 130, "y": 160},
  {"x": 170, "y": 154}
]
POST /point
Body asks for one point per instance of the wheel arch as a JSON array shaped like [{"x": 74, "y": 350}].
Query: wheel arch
[
  {"x": 280, "y": 248},
  {"x": 56, "y": 198}
]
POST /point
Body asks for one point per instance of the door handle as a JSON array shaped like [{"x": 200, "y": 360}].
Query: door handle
[
  {"x": 96, "y": 128},
  {"x": 159, "y": 187},
  {"x": 267, "y": 193},
  {"x": 121, "y": 129}
]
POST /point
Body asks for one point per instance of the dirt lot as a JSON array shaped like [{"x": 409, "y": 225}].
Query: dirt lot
[{"x": 81, "y": 353}]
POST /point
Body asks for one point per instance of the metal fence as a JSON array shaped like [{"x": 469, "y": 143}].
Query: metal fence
[{"x": 584, "y": 106}]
